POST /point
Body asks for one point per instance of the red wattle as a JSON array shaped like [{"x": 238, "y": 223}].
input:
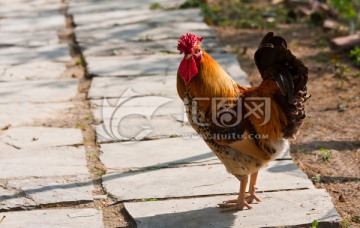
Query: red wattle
[{"x": 188, "y": 69}]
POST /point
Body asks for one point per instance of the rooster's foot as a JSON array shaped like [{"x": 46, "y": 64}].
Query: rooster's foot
[
  {"x": 251, "y": 197},
  {"x": 233, "y": 205}
]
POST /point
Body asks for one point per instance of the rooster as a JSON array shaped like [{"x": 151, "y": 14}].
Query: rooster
[{"x": 245, "y": 127}]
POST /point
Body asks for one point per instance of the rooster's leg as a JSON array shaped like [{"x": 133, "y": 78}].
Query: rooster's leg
[
  {"x": 240, "y": 202},
  {"x": 252, "y": 188}
]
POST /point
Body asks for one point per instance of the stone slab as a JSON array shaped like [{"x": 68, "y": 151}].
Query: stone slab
[
  {"x": 120, "y": 47},
  {"x": 28, "y": 39},
  {"x": 163, "y": 153},
  {"x": 19, "y": 55},
  {"x": 140, "y": 128},
  {"x": 156, "y": 65},
  {"x": 112, "y": 18},
  {"x": 38, "y": 91},
  {"x": 127, "y": 87},
  {"x": 39, "y": 23},
  {"x": 84, "y": 7},
  {"x": 17, "y": 9},
  {"x": 30, "y": 192},
  {"x": 143, "y": 32},
  {"x": 277, "y": 209},
  {"x": 199, "y": 180},
  {"x": 158, "y": 108},
  {"x": 42, "y": 162},
  {"x": 37, "y": 137},
  {"x": 35, "y": 112},
  {"x": 67, "y": 218},
  {"x": 32, "y": 71}
]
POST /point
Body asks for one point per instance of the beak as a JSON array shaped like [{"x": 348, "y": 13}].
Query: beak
[{"x": 188, "y": 56}]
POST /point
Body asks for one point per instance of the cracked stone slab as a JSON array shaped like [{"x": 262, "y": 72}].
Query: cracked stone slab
[
  {"x": 38, "y": 91},
  {"x": 290, "y": 208},
  {"x": 199, "y": 180},
  {"x": 31, "y": 113},
  {"x": 120, "y": 47},
  {"x": 67, "y": 218},
  {"x": 112, "y": 18},
  {"x": 32, "y": 71},
  {"x": 156, "y": 65},
  {"x": 29, "y": 24},
  {"x": 19, "y": 55},
  {"x": 84, "y": 7},
  {"x": 37, "y": 137},
  {"x": 42, "y": 162},
  {"x": 137, "y": 128},
  {"x": 143, "y": 32},
  {"x": 42, "y": 191}
]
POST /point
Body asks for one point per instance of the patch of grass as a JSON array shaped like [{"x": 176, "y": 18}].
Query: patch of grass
[
  {"x": 80, "y": 126},
  {"x": 97, "y": 171},
  {"x": 323, "y": 42},
  {"x": 347, "y": 11},
  {"x": 327, "y": 153},
  {"x": 314, "y": 223},
  {"x": 93, "y": 154},
  {"x": 341, "y": 70},
  {"x": 89, "y": 118},
  {"x": 80, "y": 61},
  {"x": 316, "y": 178},
  {"x": 356, "y": 218},
  {"x": 151, "y": 200},
  {"x": 156, "y": 6},
  {"x": 239, "y": 15},
  {"x": 345, "y": 223},
  {"x": 355, "y": 55},
  {"x": 322, "y": 57},
  {"x": 190, "y": 4}
]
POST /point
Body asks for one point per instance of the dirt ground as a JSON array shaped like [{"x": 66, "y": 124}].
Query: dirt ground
[{"x": 327, "y": 148}]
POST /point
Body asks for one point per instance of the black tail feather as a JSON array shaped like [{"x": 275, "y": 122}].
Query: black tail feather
[{"x": 291, "y": 76}]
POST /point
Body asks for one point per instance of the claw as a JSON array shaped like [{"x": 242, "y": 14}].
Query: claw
[
  {"x": 251, "y": 197},
  {"x": 228, "y": 205}
]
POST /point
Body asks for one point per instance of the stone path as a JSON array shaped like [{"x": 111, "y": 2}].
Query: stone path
[{"x": 156, "y": 165}]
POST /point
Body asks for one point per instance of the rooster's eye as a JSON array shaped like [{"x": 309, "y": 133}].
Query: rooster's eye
[{"x": 197, "y": 51}]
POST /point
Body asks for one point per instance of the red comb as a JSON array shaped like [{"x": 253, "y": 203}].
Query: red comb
[{"x": 187, "y": 42}]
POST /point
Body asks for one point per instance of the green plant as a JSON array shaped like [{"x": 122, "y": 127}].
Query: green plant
[
  {"x": 316, "y": 178},
  {"x": 341, "y": 70},
  {"x": 347, "y": 11},
  {"x": 345, "y": 223},
  {"x": 190, "y": 4},
  {"x": 237, "y": 14},
  {"x": 156, "y": 6},
  {"x": 151, "y": 200},
  {"x": 355, "y": 55},
  {"x": 327, "y": 155},
  {"x": 314, "y": 223},
  {"x": 355, "y": 218}
]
